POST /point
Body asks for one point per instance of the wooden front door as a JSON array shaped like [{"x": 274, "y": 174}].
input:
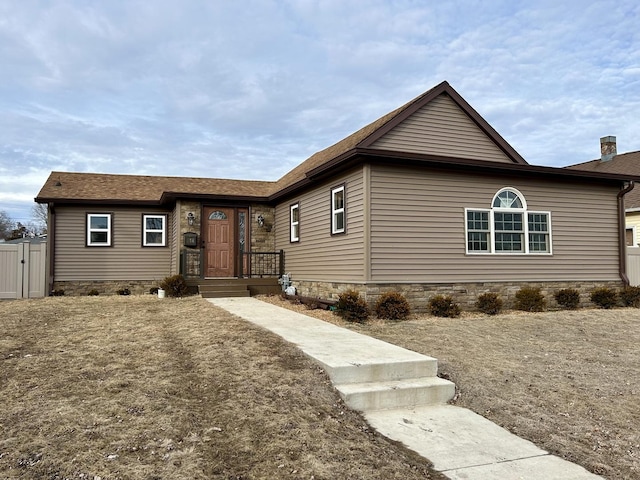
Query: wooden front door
[{"x": 219, "y": 242}]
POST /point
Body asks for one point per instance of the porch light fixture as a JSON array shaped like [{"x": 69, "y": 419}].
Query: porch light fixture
[
  {"x": 191, "y": 218},
  {"x": 261, "y": 220}
]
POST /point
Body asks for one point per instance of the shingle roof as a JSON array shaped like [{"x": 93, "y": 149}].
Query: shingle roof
[
  {"x": 70, "y": 186},
  {"x": 625, "y": 164}
]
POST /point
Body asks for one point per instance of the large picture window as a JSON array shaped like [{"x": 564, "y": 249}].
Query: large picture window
[
  {"x": 154, "y": 230},
  {"x": 294, "y": 219},
  {"x": 508, "y": 227},
  {"x": 98, "y": 229},
  {"x": 338, "y": 210}
]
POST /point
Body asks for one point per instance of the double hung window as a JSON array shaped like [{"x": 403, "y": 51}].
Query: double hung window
[
  {"x": 338, "y": 211},
  {"x": 154, "y": 230},
  {"x": 508, "y": 227},
  {"x": 98, "y": 229},
  {"x": 294, "y": 222}
]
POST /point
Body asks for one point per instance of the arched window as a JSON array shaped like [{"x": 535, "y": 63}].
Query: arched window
[{"x": 508, "y": 226}]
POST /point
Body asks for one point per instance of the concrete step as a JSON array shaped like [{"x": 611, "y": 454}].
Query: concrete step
[
  {"x": 222, "y": 288},
  {"x": 381, "y": 371},
  {"x": 370, "y": 396}
]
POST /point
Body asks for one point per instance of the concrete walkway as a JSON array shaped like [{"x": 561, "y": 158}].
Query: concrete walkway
[{"x": 399, "y": 394}]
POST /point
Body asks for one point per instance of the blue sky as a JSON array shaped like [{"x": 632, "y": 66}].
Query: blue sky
[{"x": 248, "y": 89}]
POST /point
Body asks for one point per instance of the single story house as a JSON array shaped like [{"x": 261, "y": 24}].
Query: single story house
[
  {"x": 626, "y": 164},
  {"x": 428, "y": 198}
]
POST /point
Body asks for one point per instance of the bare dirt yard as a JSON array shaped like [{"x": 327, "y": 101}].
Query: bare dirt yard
[
  {"x": 569, "y": 381},
  {"x": 135, "y": 387}
]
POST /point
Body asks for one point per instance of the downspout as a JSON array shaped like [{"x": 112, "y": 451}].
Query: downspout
[{"x": 622, "y": 241}]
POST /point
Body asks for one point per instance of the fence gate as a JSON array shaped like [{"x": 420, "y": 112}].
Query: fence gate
[
  {"x": 22, "y": 270},
  {"x": 633, "y": 265}
]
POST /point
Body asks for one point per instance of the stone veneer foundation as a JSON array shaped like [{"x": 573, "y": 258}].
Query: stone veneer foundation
[{"x": 465, "y": 294}]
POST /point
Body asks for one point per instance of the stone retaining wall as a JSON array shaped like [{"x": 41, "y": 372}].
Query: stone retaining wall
[
  {"x": 465, "y": 294},
  {"x": 107, "y": 287}
]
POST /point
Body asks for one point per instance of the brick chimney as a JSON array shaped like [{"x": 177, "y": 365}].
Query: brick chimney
[{"x": 608, "y": 148}]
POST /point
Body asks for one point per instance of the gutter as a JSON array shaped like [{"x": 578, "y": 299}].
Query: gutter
[{"x": 622, "y": 241}]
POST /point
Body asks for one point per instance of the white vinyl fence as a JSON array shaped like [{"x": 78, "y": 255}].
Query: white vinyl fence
[
  {"x": 633, "y": 265},
  {"x": 22, "y": 270}
]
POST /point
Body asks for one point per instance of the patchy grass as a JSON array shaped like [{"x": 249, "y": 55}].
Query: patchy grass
[
  {"x": 139, "y": 388},
  {"x": 567, "y": 380}
]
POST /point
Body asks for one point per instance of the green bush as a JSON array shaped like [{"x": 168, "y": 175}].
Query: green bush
[
  {"x": 630, "y": 296},
  {"x": 568, "y": 298},
  {"x": 604, "y": 297},
  {"x": 124, "y": 291},
  {"x": 443, "y": 306},
  {"x": 352, "y": 307},
  {"x": 489, "y": 303},
  {"x": 530, "y": 299},
  {"x": 93, "y": 293},
  {"x": 174, "y": 286},
  {"x": 392, "y": 306}
]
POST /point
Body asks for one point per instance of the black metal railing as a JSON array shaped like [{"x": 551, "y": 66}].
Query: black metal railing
[
  {"x": 191, "y": 262},
  {"x": 251, "y": 264},
  {"x": 261, "y": 264}
]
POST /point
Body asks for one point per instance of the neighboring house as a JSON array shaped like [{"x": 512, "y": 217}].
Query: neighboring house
[
  {"x": 626, "y": 164},
  {"x": 429, "y": 198}
]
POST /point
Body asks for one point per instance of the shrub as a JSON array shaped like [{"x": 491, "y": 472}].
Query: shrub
[
  {"x": 153, "y": 290},
  {"x": 57, "y": 293},
  {"x": 489, "y": 303},
  {"x": 174, "y": 286},
  {"x": 93, "y": 293},
  {"x": 443, "y": 306},
  {"x": 604, "y": 297},
  {"x": 630, "y": 296},
  {"x": 530, "y": 299},
  {"x": 392, "y": 306},
  {"x": 568, "y": 298},
  {"x": 123, "y": 291},
  {"x": 352, "y": 307}
]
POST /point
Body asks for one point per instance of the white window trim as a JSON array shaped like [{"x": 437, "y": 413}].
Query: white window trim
[
  {"x": 145, "y": 230},
  {"x": 91, "y": 230},
  {"x": 336, "y": 211},
  {"x": 525, "y": 221},
  {"x": 293, "y": 224}
]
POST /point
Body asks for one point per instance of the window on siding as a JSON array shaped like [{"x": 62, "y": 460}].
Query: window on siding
[
  {"x": 508, "y": 227},
  {"x": 338, "y": 211},
  {"x": 295, "y": 222},
  {"x": 154, "y": 230},
  {"x": 98, "y": 229}
]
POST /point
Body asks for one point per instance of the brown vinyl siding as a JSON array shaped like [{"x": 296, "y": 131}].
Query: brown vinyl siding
[
  {"x": 442, "y": 128},
  {"x": 318, "y": 255},
  {"x": 126, "y": 259},
  {"x": 418, "y": 229}
]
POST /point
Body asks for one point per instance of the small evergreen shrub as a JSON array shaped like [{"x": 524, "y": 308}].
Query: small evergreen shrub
[
  {"x": 153, "y": 290},
  {"x": 57, "y": 293},
  {"x": 444, "y": 306},
  {"x": 392, "y": 306},
  {"x": 604, "y": 297},
  {"x": 352, "y": 307},
  {"x": 93, "y": 293},
  {"x": 489, "y": 303},
  {"x": 530, "y": 299},
  {"x": 123, "y": 291},
  {"x": 174, "y": 286},
  {"x": 630, "y": 296},
  {"x": 568, "y": 298}
]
